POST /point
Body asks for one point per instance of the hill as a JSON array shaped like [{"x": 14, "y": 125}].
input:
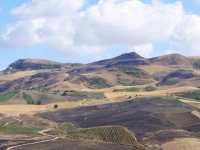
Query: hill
[
  {"x": 172, "y": 59},
  {"x": 34, "y": 64},
  {"x": 124, "y": 59}
]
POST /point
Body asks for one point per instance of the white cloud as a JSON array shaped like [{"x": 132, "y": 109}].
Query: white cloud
[
  {"x": 198, "y": 1},
  {"x": 47, "y": 8},
  {"x": 63, "y": 25},
  {"x": 143, "y": 50},
  {"x": 187, "y": 35}
]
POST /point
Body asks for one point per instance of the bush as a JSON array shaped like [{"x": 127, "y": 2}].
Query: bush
[
  {"x": 150, "y": 88},
  {"x": 55, "y": 106}
]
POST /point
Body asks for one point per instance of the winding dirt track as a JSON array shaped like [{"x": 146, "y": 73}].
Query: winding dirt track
[{"x": 43, "y": 133}]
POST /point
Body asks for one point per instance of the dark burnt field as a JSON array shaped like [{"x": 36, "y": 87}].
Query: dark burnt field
[
  {"x": 151, "y": 119},
  {"x": 75, "y": 144}
]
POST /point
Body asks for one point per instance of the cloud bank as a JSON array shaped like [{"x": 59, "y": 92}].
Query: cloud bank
[{"x": 68, "y": 26}]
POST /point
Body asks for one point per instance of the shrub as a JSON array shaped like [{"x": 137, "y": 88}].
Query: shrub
[
  {"x": 55, "y": 106},
  {"x": 150, "y": 88}
]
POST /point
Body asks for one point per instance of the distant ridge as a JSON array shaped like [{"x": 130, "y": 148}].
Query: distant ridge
[
  {"x": 172, "y": 59},
  {"x": 34, "y": 64}
]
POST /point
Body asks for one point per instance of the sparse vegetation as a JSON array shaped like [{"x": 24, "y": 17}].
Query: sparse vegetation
[
  {"x": 113, "y": 134},
  {"x": 172, "y": 100},
  {"x": 84, "y": 95},
  {"x": 9, "y": 129},
  {"x": 169, "y": 83},
  {"x": 131, "y": 71},
  {"x": 118, "y": 75},
  {"x": 150, "y": 88},
  {"x": 7, "y": 96},
  {"x": 132, "y": 89},
  {"x": 97, "y": 82}
]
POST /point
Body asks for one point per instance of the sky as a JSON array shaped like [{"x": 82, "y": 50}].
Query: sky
[{"x": 84, "y": 31}]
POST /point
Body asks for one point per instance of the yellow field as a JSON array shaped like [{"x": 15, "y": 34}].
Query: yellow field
[
  {"x": 20, "y": 74},
  {"x": 15, "y": 110},
  {"x": 152, "y": 69},
  {"x": 182, "y": 144}
]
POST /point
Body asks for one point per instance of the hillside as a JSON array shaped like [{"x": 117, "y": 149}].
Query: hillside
[{"x": 126, "y": 102}]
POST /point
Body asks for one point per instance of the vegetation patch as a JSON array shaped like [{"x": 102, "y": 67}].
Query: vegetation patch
[
  {"x": 84, "y": 95},
  {"x": 150, "y": 88},
  {"x": 40, "y": 75},
  {"x": 9, "y": 129},
  {"x": 112, "y": 134},
  {"x": 169, "y": 83},
  {"x": 190, "y": 95},
  {"x": 197, "y": 64},
  {"x": 7, "y": 96},
  {"x": 131, "y": 71},
  {"x": 132, "y": 89},
  {"x": 30, "y": 100},
  {"x": 173, "y": 100},
  {"x": 97, "y": 82},
  {"x": 134, "y": 83}
]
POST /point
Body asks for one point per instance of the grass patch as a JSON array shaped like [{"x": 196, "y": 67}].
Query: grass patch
[
  {"x": 84, "y": 95},
  {"x": 112, "y": 134},
  {"x": 173, "y": 100},
  {"x": 190, "y": 95},
  {"x": 169, "y": 100},
  {"x": 132, "y": 89},
  {"x": 98, "y": 82},
  {"x": 134, "y": 83},
  {"x": 150, "y": 88},
  {"x": 9, "y": 129},
  {"x": 7, "y": 96},
  {"x": 169, "y": 83}
]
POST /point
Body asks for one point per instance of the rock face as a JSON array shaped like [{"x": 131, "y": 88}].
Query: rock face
[{"x": 34, "y": 64}]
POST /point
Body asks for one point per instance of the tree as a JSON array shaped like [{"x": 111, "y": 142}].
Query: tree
[
  {"x": 55, "y": 106},
  {"x": 38, "y": 103}
]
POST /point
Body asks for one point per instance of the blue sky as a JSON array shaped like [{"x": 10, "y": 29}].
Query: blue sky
[{"x": 88, "y": 30}]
